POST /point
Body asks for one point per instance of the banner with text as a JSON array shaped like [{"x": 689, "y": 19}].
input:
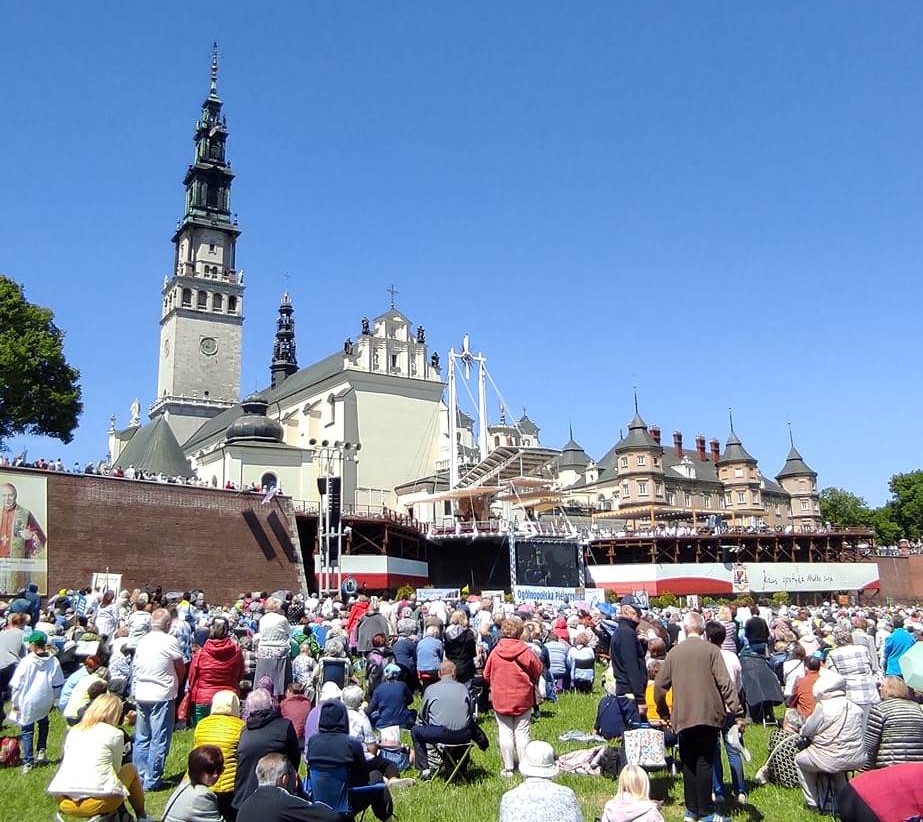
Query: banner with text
[{"x": 543, "y": 594}]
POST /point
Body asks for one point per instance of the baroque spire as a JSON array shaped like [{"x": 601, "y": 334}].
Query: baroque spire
[{"x": 284, "y": 361}]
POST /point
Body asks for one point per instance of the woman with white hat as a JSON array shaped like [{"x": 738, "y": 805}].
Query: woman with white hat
[{"x": 538, "y": 799}]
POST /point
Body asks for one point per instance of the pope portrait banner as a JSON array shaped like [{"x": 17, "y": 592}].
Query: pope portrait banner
[{"x": 23, "y": 539}]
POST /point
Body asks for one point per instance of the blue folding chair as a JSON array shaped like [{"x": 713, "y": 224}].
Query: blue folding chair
[{"x": 330, "y": 787}]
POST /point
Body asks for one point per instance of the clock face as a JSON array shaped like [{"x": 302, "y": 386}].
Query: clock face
[
  {"x": 166, "y": 348},
  {"x": 208, "y": 346}
]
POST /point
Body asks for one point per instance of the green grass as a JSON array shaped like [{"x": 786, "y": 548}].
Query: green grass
[{"x": 23, "y": 797}]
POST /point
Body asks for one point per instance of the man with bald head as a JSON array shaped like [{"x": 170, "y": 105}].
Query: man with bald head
[{"x": 157, "y": 671}]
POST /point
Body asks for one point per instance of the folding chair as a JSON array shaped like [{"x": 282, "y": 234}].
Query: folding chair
[
  {"x": 454, "y": 760},
  {"x": 333, "y": 669},
  {"x": 330, "y": 787},
  {"x": 828, "y": 786}
]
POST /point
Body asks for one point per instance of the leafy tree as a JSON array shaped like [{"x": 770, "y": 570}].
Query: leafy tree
[
  {"x": 39, "y": 392},
  {"x": 906, "y": 504},
  {"x": 883, "y": 522},
  {"x": 843, "y": 507}
]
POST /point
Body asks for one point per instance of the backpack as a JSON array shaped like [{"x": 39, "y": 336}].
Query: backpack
[{"x": 9, "y": 752}]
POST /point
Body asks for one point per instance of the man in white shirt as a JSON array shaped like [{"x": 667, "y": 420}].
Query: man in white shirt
[{"x": 156, "y": 674}]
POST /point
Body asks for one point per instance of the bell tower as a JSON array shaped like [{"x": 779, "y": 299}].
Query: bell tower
[{"x": 202, "y": 319}]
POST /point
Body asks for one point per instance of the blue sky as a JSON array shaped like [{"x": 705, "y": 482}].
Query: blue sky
[{"x": 719, "y": 203}]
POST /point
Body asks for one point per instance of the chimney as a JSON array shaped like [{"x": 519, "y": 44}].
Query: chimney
[
  {"x": 678, "y": 443},
  {"x": 655, "y": 433},
  {"x": 700, "y": 448},
  {"x": 715, "y": 450}
]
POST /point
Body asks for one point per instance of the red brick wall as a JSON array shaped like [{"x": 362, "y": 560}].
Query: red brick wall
[
  {"x": 901, "y": 578},
  {"x": 173, "y": 536}
]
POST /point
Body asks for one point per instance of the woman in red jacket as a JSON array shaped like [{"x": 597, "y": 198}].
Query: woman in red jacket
[
  {"x": 513, "y": 670},
  {"x": 219, "y": 666}
]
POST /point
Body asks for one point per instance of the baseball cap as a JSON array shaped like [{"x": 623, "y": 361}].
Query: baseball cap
[{"x": 633, "y": 601}]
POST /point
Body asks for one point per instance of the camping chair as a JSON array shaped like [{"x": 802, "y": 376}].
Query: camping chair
[
  {"x": 330, "y": 787},
  {"x": 333, "y": 669},
  {"x": 453, "y": 760},
  {"x": 828, "y": 786}
]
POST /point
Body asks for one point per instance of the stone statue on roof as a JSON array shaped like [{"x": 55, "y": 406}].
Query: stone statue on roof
[{"x": 135, "y": 411}]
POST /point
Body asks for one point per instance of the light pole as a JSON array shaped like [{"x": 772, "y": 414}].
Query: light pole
[{"x": 329, "y": 486}]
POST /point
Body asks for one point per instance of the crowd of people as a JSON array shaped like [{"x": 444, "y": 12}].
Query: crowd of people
[{"x": 303, "y": 707}]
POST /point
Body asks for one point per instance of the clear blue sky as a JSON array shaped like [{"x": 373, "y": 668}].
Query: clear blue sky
[{"x": 719, "y": 202}]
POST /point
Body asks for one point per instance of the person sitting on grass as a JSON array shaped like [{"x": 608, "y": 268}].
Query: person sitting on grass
[
  {"x": 91, "y": 779},
  {"x": 295, "y": 707},
  {"x": 222, "y": 729},
  {"x": 194, "y": 800},
  {"x": 609, "y": 721},
  {"x": 537, "y": 798},
  {"x": 632, "y": 802}
]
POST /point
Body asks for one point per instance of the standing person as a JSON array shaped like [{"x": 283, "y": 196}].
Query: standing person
[
  {"x": 273, "y": 657},
  {"x": 513, "y": 672},
  {"x": 91, "y": 779},
  {"x": 107, "y": 616},
  {"x": 219, "y": 666},
  {"x": 12, "y": 649},
  {"x": 852, "y": 661},
  {"x": 756, "y": 630},
  {"x": 460, "y": 646},
  {"x": 627, "y": 659},
  {"x": 703, "y": 695},
  {"x": 157, "y": 671},
  {"x": 715, "y": 633},
  {"x": 896, "y": 645},
  {"x": 35, "y": 683}
]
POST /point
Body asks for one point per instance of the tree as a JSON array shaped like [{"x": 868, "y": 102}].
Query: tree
[
  {"x": 39, "y": 392},
  {"x": 843, "y": 507},
  {"x": 907, "y": 503},
  {"x": 884, "y": 524}
]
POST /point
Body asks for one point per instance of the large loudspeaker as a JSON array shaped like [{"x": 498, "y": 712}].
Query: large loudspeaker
[{"x": 333, "y": 500}]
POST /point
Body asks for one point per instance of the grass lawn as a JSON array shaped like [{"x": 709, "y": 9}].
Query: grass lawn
[{"x": 23, "y": 798}]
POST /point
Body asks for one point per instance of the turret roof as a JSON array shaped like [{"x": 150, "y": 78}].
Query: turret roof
[
  {"x": 795, "y": 466},
  {"x": 735, "y": 452},
  {"x": 637, "y": 436},
  {"x": 572, "y": 456},
  {"x": 527, "y": 426}
]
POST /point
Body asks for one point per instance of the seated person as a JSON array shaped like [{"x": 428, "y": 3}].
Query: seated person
[
  {"x": 445, "y": 717},
  {"x": 194, "y": 800},
  {"x": 361, "y": 729},
  {"x": 80, "y": 694},
  {"x": 537, "y": 798},
  {"x": 653, "y": 668},
  {"x": 332, "y": 748},
  {"x": 894, "y": 727},
  {"x": 295, "y": 707},
  {"x": 391, "y": 700},
  {"x": 802, "y": 698},
  {"x": 581, "y": 664},
  {"x": 429, "y": 655},
  {"x": 783, "y": 745},
  {"x": 632, "y": 802},
  {"x": 272, "y": 801},
  {"x": 91, "y": 779},
  {"x": 222, "y": 729},
  {"x": 609, "y": 721}
]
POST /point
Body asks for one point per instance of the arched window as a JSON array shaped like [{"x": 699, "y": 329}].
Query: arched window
[
  {"x": 232, "y": 305},
  {"x": 217, "y": 302},
  {"x": 202, "y": 299},
  {"x": 187, "y": 298},
  {"x": 269, "y": 481}
]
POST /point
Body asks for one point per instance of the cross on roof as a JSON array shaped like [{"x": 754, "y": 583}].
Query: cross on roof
[{"x": 393, "y": 292}]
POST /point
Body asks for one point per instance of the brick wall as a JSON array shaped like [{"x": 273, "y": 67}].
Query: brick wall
[{"x": 173, "y": 536}]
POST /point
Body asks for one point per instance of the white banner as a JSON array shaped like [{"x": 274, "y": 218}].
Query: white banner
[
  {"x": 542, "y": 593},
  {"x": 593, "y": 596},
  {"x": 426, "y": 594},
  {"x": 812, "y": 576},
  {"x": 106, "y": 582}
]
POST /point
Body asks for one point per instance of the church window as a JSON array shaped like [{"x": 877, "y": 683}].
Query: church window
[
  {"x": 211, "y": 248},
  {"x": 269, "y": 481},
  {"x": 212, "y": 196},
  {"x": 741, "y": 497},
  {"x": 217, "y": 303},
  {"x": 394, "y": 367},
  {"x": 642, "y": 488},
  {"x": 232, "y": 305},
  {"x": 187, "y": 298},
  {"x": 642, "y": 460},
  {"x": 202, "y": 299}
]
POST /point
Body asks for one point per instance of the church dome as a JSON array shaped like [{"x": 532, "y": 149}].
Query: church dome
[{"x": 253, "y": 424}]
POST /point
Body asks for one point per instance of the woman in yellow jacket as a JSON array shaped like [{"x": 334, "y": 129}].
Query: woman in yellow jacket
[{"x": 222, "y": 728}]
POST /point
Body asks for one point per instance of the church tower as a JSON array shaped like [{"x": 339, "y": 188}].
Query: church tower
[
  {"x": 284, "y": 362},
  {"x": 201, "y": 320}
]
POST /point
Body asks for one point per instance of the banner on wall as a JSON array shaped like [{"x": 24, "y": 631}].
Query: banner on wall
[
  {"x": 23, "y": 539},
  {"x": 106, "y": 582},
  {"x": 426, "y": 594},
  {"x": 544, "y": 594}
]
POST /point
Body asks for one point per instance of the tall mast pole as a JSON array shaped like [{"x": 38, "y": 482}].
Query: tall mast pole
[
  {"x": 482, "y": 406},
  {"x": 453, "y": 424}
]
